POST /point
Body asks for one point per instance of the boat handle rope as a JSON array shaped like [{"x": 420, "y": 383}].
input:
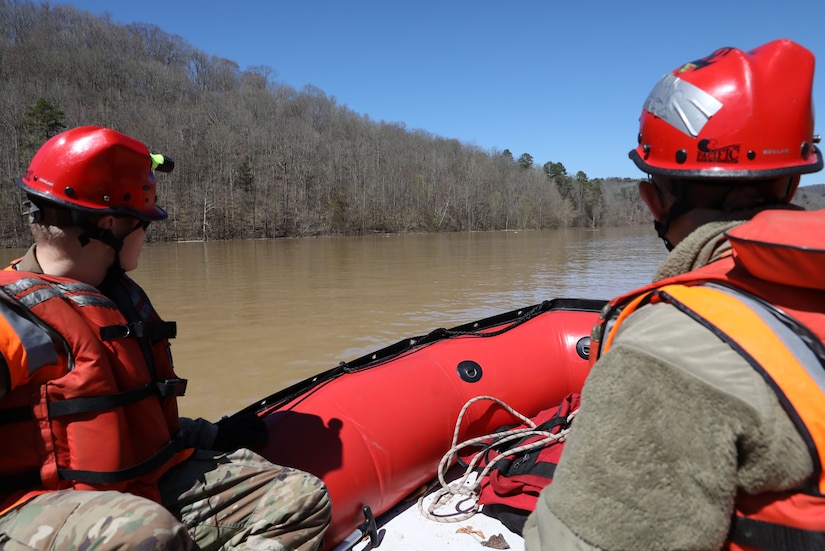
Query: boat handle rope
[{"x": 468, "y": 486}]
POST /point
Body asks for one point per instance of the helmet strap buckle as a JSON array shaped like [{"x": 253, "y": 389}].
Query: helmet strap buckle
[{"x": 32, "y": 211}]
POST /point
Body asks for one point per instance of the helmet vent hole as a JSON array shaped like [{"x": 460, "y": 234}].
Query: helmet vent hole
[
  {"x": 681, "y": 156},
  {"x": 69, "y": 192},
  {"x": 127, "y": 197},
  {"x": 751, "y": 154}
]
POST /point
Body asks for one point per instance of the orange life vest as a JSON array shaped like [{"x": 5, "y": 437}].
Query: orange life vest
[
  {"x": 767, "y": 301},
  {"x": 92, "y": 402}
]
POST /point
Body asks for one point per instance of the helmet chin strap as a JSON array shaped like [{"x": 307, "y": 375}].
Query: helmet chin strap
[
  {"x": 677, "y": 209},
  {"x": 91, "y": 231},
  {"x": 39, "y": 211},
  {"x": 661, "y": 229}
]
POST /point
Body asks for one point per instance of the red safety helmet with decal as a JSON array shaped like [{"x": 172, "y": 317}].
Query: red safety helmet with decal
[
  {"x": 97, "y": 171},
  {"x": 733, "y": 115}
]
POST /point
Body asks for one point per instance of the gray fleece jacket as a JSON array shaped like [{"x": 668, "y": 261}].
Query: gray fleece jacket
[{"x": 673, "y": 425}]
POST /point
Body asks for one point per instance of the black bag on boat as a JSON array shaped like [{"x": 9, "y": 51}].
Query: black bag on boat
[{"x": 510, "y": 489}]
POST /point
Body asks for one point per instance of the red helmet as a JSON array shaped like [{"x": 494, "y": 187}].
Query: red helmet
[
  {"x": 96, "y": 170},
  {"x": 733, "y": 114}
]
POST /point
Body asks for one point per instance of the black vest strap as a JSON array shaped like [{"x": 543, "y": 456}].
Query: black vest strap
[
  {"x": 527, "y": 462},
  {"x": 168, "y": 388},
  {"x": 136, "y": 471},
  {"x": 774, "y": 537},
  {"x": 152, "y": 330},
  {"x": 74, "y": 406}
]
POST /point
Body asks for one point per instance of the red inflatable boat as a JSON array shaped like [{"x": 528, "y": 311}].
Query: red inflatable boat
[{"x": 375, "y": 429}]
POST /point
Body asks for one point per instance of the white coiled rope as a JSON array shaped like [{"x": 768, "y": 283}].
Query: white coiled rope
[{"x": 468, "y": 486}]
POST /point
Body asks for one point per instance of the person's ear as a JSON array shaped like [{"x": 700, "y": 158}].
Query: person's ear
[
  {"x": 654, "y": 200},
  {"x": 106, "y": 222}
]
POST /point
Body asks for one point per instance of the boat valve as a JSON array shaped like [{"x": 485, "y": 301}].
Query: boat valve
[
  {"x": 469, "y": 371},
  {"x": 583, "y": 348}
]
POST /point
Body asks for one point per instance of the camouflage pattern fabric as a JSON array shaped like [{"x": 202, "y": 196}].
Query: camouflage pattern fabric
[
  {"x": 92, "y": 521},
  {"x": 212, "y": 501},
  {"x": 239, "y": 500}
]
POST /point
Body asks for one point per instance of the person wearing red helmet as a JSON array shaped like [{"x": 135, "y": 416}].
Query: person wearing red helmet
[
  {"x": 95, "y": 453},
  {"x": 701, "y": 420},
  {"x": 77, "y": 178}
]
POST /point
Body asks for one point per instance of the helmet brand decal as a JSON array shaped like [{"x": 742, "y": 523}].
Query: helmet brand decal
[
  {"x": 684, "y": 106},
  {"x": 709, "y": 153},
  {"x": 31, "y": 177},
  {"x": 705, "y": 61}
]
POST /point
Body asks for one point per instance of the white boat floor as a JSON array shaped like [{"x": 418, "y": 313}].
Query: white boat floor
[{"x": 405, "y": 528}]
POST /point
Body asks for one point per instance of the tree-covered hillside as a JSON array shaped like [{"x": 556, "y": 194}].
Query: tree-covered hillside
[{"x": 255, "y": 157}]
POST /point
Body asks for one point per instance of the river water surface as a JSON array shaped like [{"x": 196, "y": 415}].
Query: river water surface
[{"x": 256, "y": 316}]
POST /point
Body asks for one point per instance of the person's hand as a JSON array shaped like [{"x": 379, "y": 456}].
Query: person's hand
[{"x": 240, "y": 431}]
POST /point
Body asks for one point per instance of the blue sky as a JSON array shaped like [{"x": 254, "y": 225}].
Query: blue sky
[{"x": 561, "y": 80}]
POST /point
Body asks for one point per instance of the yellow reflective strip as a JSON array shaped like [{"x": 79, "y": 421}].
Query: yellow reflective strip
[{"x": 744, "y": 327}]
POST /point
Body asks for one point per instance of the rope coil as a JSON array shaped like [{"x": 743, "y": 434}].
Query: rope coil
[{"x": 468, "y": 484}]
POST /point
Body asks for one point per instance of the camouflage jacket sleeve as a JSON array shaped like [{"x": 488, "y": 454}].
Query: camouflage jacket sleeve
[{"x": 673, "y": 424}]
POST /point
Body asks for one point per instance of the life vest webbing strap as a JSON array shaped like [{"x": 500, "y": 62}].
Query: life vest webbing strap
[
  {"x": 136, "y": 471},
  {"x": 172, "y": 388},
  {"x": 768, "y": 536},
  {"x": 73, "y": 406},
  {"x": 637, "y": 302},
  {"x": 527, "y": 465},
  {"x": 169, "y": 388},
  {"x": 152, "y": 330}
]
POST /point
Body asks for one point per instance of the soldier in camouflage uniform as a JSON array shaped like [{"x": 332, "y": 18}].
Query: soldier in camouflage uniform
[{"x": 92, "y": 194}]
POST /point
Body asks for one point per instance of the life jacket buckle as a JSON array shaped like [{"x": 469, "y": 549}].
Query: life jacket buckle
[
  {"x": 171, "y": 388},
  {"x": 111, "y": 332},
  {"x": 153, "y": 330}
]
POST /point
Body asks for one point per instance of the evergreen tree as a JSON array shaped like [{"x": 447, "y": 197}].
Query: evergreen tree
[
  {"x": 43, "y": 120},
  {"x": 525, "y": 161},
  {"x": 245, "y": 177}
]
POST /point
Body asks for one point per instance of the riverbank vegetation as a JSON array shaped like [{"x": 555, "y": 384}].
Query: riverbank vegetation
[{"x": 256, "y": 158}]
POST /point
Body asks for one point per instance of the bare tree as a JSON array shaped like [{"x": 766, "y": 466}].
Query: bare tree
[{"x": 255, "y": 157}]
